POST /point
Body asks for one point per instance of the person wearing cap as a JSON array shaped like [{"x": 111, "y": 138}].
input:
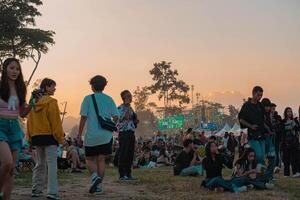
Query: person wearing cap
[
  {"x": 269, "y": 138},
  {"x": 251, "y": 116}
]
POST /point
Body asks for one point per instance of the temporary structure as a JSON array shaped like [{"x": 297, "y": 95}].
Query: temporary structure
[{"x": 222, "y": 132}]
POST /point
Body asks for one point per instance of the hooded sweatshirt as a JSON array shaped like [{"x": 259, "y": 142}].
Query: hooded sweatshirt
[{"x": 44, "y": 126}]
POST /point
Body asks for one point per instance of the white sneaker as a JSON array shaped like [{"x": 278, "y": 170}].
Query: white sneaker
[{"x": 296, "y": 175}]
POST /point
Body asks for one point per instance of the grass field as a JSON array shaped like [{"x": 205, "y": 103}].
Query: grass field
[{"x": 153, "y": 184}]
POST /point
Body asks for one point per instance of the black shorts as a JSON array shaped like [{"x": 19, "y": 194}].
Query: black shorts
[{"x": 103, "y": 149}]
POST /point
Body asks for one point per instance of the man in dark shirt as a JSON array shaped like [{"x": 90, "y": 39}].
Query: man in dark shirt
[
  {"x": 251, "y": 116},
  {"x": 186, "y": 163}
]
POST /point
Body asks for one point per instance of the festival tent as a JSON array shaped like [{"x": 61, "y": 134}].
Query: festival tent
[
  {"x": 225, "y": 129},
  {"x": 238, "y": 132},
  {"x": 235, "y": 128}
]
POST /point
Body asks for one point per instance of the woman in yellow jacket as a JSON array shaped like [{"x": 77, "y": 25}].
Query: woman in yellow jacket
[{"x": 45, "y": 132}]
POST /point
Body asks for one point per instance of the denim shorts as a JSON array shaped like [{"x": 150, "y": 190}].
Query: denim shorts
[{"x": 11, "y": 132}]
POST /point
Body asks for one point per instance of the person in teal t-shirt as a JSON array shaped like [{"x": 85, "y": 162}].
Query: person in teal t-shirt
[{"x": 97, "y": 141}]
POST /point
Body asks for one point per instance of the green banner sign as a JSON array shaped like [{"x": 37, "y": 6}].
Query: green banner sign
[{"x": 170, "y": 123}]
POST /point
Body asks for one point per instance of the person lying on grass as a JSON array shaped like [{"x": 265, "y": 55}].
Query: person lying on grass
[
  {"x": 213, "y": 165},
  {"x": 187, "y": 162}
]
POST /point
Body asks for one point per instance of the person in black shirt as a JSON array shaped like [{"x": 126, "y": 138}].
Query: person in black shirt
[
  {"x": 277, "y": 122},
  {"x": 290, "y": 143},
  {"x": 186, "y": 163},
  {"x": 213, "y": 165},
  {"x": 251, "y": 116},
  {"x": 231, "y": 145},
  {"x": 269, "y": 138}
]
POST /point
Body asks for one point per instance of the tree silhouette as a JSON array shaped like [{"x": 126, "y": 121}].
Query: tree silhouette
[
  {"x": 18, "y": 37},
  {"x": 168, "y": 87}
]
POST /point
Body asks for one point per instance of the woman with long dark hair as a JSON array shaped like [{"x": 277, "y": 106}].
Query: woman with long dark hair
[
  {"x": 213, "y": 165},
  {"x": 247, "y": 170},
  {"x": 12, "y": 106},
  {"x": 290, "y": 143}
]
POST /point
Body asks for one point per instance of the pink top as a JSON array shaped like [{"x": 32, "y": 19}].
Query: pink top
[{"x": 9, "y": 110}]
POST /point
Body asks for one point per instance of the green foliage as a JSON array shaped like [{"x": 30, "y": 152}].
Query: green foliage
[
  {"x": 168, "y": 87},
  {"x": 18, "y": 37},
  {"x": 141, "y": 96}
]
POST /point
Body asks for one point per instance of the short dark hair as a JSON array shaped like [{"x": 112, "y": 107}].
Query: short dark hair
[
  {"x": 213, "y": 137},
  {"x": 98, "y": 83},
  {"x": 189, "y": 130},
  {"x": 124, "y": 92},
  {"x": 46, "y": 82},
  {"x": 257, "y": 89},
  {"x": 187, "y": 142}
]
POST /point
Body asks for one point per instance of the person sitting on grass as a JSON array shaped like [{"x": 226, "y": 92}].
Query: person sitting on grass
[
  {"x": 213, "y": 165},
  {"x": 73, "y": 156},
  {"x": 187, "y": 163},
  {"x": 247, "y": 170},
  {"x": 163, "y": 158}
]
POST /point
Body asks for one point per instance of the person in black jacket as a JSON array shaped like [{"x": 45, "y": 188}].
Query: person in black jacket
[
  {"x": 277, "y": 123},
  {"x": 251, "y": 116},
  {"x": 269, "y": 138},
  {"x": 290, "y": 143},
  {"x": 231, "y": 145}
]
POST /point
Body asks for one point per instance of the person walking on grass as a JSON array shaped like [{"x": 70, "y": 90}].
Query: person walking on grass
[
  {"x": 12, "y": 106},
  {"x": 97, "y": 139},
  {"x": 45, "y": 133},
  {"x": 127, "y": 124}
]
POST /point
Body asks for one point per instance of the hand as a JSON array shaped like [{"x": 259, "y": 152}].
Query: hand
[
  {"x": 254, "y": 127},
  {"x": 79, "y": 139}
]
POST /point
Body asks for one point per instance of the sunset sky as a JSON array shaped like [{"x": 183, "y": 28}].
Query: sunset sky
[{"x": 216, "y": 45}]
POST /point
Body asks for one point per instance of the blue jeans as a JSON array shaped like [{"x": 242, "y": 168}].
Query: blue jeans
[
  {"x": 258, "y": 183},
  {"x": 228, "y": 185},
  {"x": 192, "y": 170},
  {"x": 259, "y": 148},
  {"x": 271, "y": 155}
]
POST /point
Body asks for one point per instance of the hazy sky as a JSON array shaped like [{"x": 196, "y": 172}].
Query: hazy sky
[{"x": 217, "y": 45}]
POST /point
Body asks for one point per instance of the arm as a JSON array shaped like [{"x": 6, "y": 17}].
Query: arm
[
  {"x": 226, "y": 160},
  {"x": 25, "y": 110},
  {"x": 193, "y": 162},
  {"x": 81, "y": 126},
  {"x": 115, "y": 118},
  {"x": 245, "y": 123}
]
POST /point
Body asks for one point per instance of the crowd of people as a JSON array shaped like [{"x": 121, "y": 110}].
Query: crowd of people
[{"x": 272, "y": 141}]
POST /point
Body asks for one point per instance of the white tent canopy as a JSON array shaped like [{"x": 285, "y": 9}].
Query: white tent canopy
[
  {"x": 235, "y": 128},
  {"x": 222, "y": 132}
]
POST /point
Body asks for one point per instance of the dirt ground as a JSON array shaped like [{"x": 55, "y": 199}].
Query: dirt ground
[{"x": 154, "y": 184}]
